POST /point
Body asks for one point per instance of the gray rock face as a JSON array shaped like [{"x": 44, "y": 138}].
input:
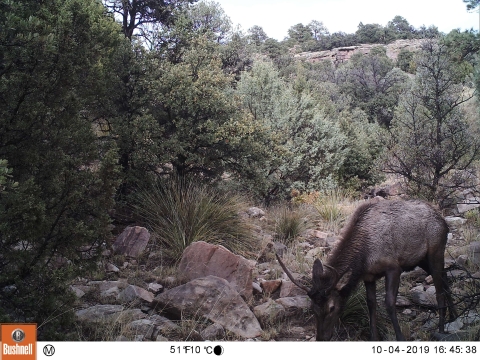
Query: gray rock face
[
  {"x": 213, "y": 298},
  {"x": 213, "y": 332},
  {"x": 296, "y": 305},
  {"x": 132, "y": 241},
  {"x": 202, "y": 259},
  {"x": 455, "y": 220},
  {"x": 424, "y": 297},
  {"x": 132, "y": 293},
  {"x": 343, "y": 54},
  {"x": 468, "y": 204},
  {"x": 99, "y": 313},
  {"x": 269, "y": 312}
]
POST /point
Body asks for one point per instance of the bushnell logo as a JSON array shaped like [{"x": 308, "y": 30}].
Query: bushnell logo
[{"x": 18, "y": 335}]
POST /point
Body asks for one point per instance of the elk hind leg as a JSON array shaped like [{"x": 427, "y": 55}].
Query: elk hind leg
[{"x": 392, "y": 281}]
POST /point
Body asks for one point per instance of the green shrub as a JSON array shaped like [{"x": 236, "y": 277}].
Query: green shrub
[{"x": 181, "y": 212}]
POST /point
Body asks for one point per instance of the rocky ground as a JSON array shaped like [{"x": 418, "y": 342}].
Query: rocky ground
[{"x": 213, "y": 294}]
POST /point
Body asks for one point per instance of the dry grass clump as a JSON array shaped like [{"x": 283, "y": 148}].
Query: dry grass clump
[{"x": 180, "y": 212}]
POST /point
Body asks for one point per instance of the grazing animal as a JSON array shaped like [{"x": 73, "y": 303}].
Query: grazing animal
[{"x": 380, "y": 239}]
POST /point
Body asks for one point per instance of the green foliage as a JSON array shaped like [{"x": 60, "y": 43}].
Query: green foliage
[
  {"x": 181, "y": 212},
  {"x": 374, "y": 84},
  {"x": 405, "y": 61},
  {"x": 463, "y": 48},
  {"x": 306, "y": 147},
  {"x": 360, "y": 168},
  {"x": 5, "y": 175},
  {"x": 138, "y": 14},
  {"x": 374, "y": 34},
  {"x": 400, "y": 28},
  {"x": 430, "y": 143},
  {"x": 53, "y": 57}
]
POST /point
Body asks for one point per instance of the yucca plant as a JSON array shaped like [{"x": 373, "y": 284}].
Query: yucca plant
[{"x": 180, "y": 212}]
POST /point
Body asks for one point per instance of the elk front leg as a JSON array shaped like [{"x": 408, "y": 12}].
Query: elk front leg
[
  {"x": 372, "y": 308},
  {"x": 392, "y": 281}
]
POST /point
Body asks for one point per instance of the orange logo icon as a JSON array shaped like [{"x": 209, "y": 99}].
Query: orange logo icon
[{"x": 19, "y": 341}]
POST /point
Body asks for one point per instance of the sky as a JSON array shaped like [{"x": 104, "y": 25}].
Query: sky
[{"x": 277, "y": 16}]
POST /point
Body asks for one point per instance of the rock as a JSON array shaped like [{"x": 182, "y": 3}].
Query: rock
[
  {"x": 164, "y": 325},
  {"x": 111, "y": 268},
  {"x": 455, "y": 220},
  {"x": 458, "y": 336},
  {"x": 462, "y": 260},
  {"x": 269, "y": 312},
  {"x": 270, "y": 286},
  {"x": 289, "y": 289},
  {"x": 213, "y": 332},
  {"x": 78, "y": 292},
  {"x": 133, "y": 292},
  {"x": 468, "y": 204},
  {"x": 257, "y": 289},
  {"x": 132, "y": 241},
  {"x": 316, "y": 234},
  {"x": 213, "y": 298},
  {"x": 133, "y": 314},
  {"x": 422, "y": 297},
  {"x": 454, "y": 326},
  {"x": 255, "y": 212},
  {"x": 121, "y": 338},
  {"x": 471, "y": 317},
  {"x": 402, "y": 301},
  {"x": 144, "y": 327},
  {"x": 429, "y": 279},
  {"x": 106, "y": 285},
  {"x": 106, "y": 253},
  {"x": 296, "y": 305},
  {"x": 417, "y": 275},
  {"x": 155, "y": 288},
  {"x": 343, "y": 54},
  {"x": 202, "y": 259},
  {"x": 99, "y": 313},
  {"x": 161, "y": 338},
  {"x": 110, "y": 294}
]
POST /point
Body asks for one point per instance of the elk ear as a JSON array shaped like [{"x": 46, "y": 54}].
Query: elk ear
[
  {"x": 344, "y": 280},
  {"x": 317, "y": 269}
]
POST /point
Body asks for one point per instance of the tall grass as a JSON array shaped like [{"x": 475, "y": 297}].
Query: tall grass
[
  {"x": 331, "y": 207},
  {"x": 180, "y": 212},
  {"x": 289, "y": 222}
]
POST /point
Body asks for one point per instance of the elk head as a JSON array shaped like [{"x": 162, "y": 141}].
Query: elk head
[{"x": 327, "y": 302}]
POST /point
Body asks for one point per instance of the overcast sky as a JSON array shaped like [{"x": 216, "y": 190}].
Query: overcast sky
[{"x": 277, "y": 16}]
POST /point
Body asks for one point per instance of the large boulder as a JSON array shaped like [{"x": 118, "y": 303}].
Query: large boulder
[
  {"x": 202, "y": 259},
  {"x": 214, "y": 298},
  {"x": 132, "y": 241},
  {"x": 99, "y": 313}
]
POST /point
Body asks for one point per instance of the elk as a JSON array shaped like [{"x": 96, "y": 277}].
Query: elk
[{"x": 381, "y": 239}]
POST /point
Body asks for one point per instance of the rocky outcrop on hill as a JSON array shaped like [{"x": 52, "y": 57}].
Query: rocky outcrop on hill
[{"x": 343, "y": 54}]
